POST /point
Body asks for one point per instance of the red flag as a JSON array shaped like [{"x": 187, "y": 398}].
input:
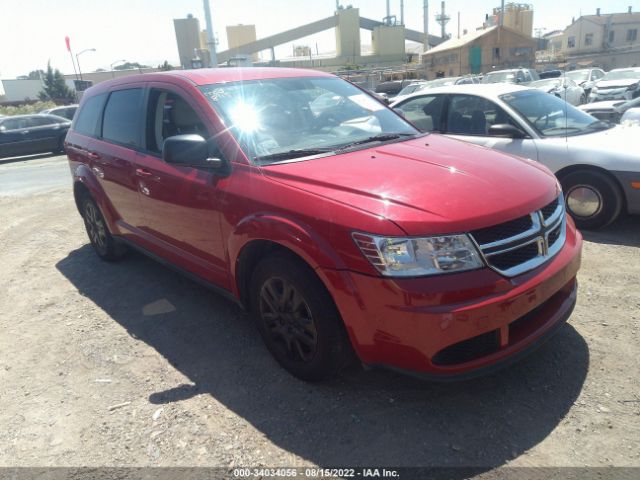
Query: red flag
[{"x": 68, "y": 42}]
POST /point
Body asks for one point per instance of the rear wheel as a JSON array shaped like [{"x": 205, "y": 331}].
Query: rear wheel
[
  {"x": 297, "y": 319},
  {"x": 593, "y": 199},
  {"x": 104, "y": 244}
]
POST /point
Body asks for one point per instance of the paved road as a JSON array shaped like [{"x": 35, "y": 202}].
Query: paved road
[{"x": 31, "y": 175}]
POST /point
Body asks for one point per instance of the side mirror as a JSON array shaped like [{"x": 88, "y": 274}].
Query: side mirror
[
  {"x": 506, "y": 130},
  {"x": 193, "y": 151}
]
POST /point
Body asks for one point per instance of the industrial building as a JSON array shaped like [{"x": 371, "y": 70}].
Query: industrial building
[
  {"x": 516, "y": 16},
  {"x": 486, "y": 49},
  {"x": 607, "y": 40}
]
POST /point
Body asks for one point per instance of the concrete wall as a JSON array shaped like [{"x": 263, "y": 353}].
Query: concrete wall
[
  {"x": 519, "y": 19},
  {"x": 19, "y": 90},
  {"x": 188, "y": 38},
  {"x": 388, "y": 40},
  {"x": 515, "y": 50},
  {"x": 348, "y": 33}
]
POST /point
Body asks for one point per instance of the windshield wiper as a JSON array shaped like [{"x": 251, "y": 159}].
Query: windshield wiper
[
  {"x": 296, "y": 153},
  {"x": 376, "y": 138}
]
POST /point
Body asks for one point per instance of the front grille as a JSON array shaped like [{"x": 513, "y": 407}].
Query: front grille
[{"x": 522, "y": 244}]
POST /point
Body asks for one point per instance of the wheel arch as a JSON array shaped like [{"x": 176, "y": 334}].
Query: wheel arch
[
  {"x": 85, "y": 183},
  {"x": 264, "y": 234},
  {"x": 564, "y": 172}
]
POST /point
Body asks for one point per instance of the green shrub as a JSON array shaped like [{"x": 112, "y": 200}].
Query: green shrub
[{"x": 26, "y": 108}]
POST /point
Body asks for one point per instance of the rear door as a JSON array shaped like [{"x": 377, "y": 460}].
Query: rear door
[
  {"x": 469, "y": 118},
  {"x": 181, "y": 204},
  {"x": 45, "y": 132},
  {"x": 112, "y": 155},
  {"x": 425, "y": 112}
]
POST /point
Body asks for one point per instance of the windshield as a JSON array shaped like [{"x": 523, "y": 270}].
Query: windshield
[
  {"x": 622, "y": 74},
  {"x": 551, "y": 83},
  {"x": 274, "y": 119},
  {"x": 441, "y": 82},
  {"x": 550, "y": 116},
  {"x": 499, "y": 77},
  {"x": 414, "y": 87},
  {"x": 578, "y": 76}
]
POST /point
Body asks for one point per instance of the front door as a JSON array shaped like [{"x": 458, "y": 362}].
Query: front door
[
  {"x": 469, "y": 118},
  {"x": 181, "y": 204}
]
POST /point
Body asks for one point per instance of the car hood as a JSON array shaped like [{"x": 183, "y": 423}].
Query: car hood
[
  {"x": 608, "y": 105},
  {"x": 623, "y": 82},
  {"x": 428, "y": 185}
]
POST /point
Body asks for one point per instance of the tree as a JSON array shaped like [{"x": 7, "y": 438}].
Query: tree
[
  {"x": 32, "y": 75},
  {"x": 55, "y": 88},
  {"x": 165, "y": 67},
  {"x": 130, "y": 66}
]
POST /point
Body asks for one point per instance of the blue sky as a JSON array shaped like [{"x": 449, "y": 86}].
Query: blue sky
[{"x": 33, "y": 31}]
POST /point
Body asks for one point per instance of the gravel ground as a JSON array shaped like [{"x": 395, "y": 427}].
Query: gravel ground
[{"x": 130, "y": 364}]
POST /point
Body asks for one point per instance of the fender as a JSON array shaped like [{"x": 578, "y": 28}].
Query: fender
[
  {"x": 86, "y": 176},
  {"x": 292, "y": 234}
]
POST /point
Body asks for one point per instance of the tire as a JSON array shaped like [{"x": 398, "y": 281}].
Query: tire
[
  {"x": 104, "y": 244},
  {"x": 593, "y": 199},
  {"x": 297, "y": 319},
  {"x": 60, "y": 149}
]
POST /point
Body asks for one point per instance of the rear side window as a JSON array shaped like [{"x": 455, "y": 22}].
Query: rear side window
[
  {"x": 86, "y": 121},
  {"x": 121, "y": 121}
]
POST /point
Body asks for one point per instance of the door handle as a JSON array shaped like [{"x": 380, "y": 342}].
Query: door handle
[
  {"x": 93, "y": 156},
  {"x": 141, "y": 172},
  {"x": 25, "y": 132}
]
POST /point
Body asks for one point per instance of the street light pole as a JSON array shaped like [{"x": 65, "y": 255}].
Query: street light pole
[
  {"x": 78, "y": 60},
  {"x": 113, "y": 75}
]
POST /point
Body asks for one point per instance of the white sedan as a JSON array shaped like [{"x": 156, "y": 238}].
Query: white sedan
[
  {"x": 598, "y": 165},
  {"x": 562, "y": 87}
]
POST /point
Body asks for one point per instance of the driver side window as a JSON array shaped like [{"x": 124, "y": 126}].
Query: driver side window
[
  {"x": 425, "y": 112},
  {"x": 471, "y": 115},
  {"x": 168, "y": 115}
]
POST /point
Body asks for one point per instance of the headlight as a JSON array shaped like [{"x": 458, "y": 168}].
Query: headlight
[
  {"x": 415, "y": 257},
  {"x": 594, "y": 90}
]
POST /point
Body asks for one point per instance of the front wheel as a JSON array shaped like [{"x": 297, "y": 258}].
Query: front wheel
[
  {"x": 593, "y": 199},
  {"x": 297, "y": 319}
]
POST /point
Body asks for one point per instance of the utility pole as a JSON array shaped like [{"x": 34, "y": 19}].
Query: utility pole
[
  {"x": 425, "y": 19},
  {"x": 211, "y": 42},
  {"x": 502, "y": 14},
  {"x": 401, "y": 12}
]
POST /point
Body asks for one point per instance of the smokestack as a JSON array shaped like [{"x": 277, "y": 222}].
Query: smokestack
[
  {"x": 388, "y": 13},
  {"x": 425, "y": 13},
  {"x": 401, "y": 12},
  {"x": 458, "y": 24},
  {"x": 597, "y": 11},
  {"x": 502, "y": 15},
  {"x": 211, "y": 43},
  {"x": 443, "y": 32}
]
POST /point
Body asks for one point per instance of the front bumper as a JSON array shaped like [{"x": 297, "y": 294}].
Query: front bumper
[
  {"x": 615, "y": 94},
  {"x": 459, "y": 325}
]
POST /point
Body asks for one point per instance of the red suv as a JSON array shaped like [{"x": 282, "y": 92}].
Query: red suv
[{"x": 329, "y": 217}]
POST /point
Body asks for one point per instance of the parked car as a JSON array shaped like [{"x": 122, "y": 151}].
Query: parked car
[
  {"x": 631, "y": 117},
  {"x": 597, "y": 165},
  {"x": 411, "y": 88},
  {"x": 440, "y": 82},
  {"x": 337, "y": 233},
  {"x": 562, "y": 87},
  {"x": 586, "y": 77},
  {"x": 67, "y": 111},
  {"x": 550, "y": 74},
  {"x": 31, "y": 134},
  {"x": 619, "y": 84},
  {"x": 611, "y": 111},
  {"x": 521, "y": 76}
]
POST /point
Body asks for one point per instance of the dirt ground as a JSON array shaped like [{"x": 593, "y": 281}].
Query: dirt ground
[{"x": 132, "y": 364}]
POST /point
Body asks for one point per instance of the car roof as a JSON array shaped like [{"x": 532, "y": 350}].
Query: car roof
[
  {"x": 633, "y": 69},
  {"x": 508, "y": 70},
  {"x": 489, "y": 90}
]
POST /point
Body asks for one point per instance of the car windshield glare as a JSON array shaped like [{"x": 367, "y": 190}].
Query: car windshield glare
[
  {"x": 549, "y": 115},
  {"x": 578, "y": 75},
  {"x": 303, "y": 115},
  {"x": 498, "y": 77}
]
